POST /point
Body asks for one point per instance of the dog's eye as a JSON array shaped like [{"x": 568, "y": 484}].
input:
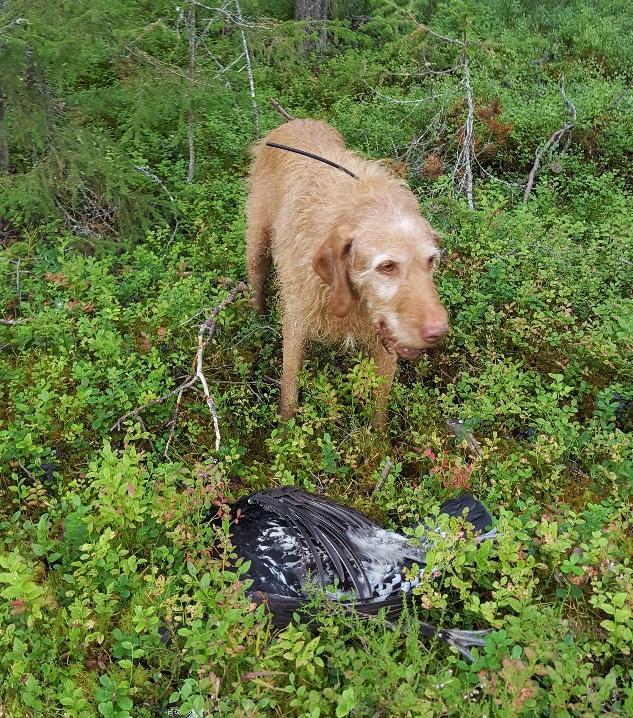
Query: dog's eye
[{"x": 387, "y": 267}]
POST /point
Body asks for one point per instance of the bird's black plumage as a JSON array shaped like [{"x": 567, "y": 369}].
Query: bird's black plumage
[
  {"x": 474, "y": 511},
  {"x": 296, "y": 541}
]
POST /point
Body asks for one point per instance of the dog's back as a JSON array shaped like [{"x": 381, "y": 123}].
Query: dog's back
[{"x": 277, "y": 175}]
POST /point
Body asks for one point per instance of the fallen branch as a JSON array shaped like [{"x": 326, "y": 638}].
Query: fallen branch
[
  {"x": 205, "y": 334},
  {"x": 27, "y": 472},
  {"x": 9, "y": 322},
  {"x": 555, "y": 139},
  {"x": 276, "y": 106},
  {"x": 383, "y": 476}
]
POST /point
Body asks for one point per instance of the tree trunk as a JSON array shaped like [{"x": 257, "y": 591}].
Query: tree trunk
[
  {"x": 312, "y": 9},
  {"x": 316, "y": 12}
]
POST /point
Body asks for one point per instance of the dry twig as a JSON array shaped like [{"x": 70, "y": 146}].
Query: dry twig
[
  {"x": 81, "y": 229},
  {"x": 383, "y": 476},
  {"x": 426, "y": 28},
  {"x": 235, "y": 19},
  {"x": 191, "y": 29},
  {"x": 556, "y": 139},
  {"x": 464, "y": 162},
  {"x": 27, "y": 472},
  {"x": 205, "y": 334},
  {"x": 276, "y": 106},
  {"x": 18, "y": 288},
  {"x": 249, "y": 69}
]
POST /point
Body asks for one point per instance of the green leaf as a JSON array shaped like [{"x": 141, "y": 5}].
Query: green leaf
[
  {"x": 346, "y": 703},
  {"x": 125, "y": 703}
]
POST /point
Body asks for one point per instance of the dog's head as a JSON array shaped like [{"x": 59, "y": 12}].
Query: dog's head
[{"x": 387, "y": 263}]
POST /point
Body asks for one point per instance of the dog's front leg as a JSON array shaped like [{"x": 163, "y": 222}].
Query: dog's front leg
[
  {"x": 385, "y": 362},
  {"x": 294, "y": 339}
]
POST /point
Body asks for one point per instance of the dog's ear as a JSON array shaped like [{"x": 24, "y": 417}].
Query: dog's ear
[{"x": 330, "y": 263}]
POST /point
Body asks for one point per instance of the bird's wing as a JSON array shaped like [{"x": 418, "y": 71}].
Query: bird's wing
[{"x": 324, "y": 526}]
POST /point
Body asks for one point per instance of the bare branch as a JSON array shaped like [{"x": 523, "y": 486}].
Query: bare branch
[
  {"x": 206, "y": 331},
  {"x": 414, "y": 152},
  {"x": 426, "y": 28},
  {"x": 18, "y": 289},
  {"x": 26, "y": 471},
  {"x": 464, "y": 162},
  {"x": 571, "y": 108},
  {"x": 142, "y": 55},
  {"x": 555, "y": 139},
  {"x": 223, "y": 70},
  {"x": 81, "y": 229},
  {"x": 9, "y": 322},
  {"x": 249, "y": 69},
  {"x": 236, "y": 19},
  {"x": 276, "y": 106},
  {"x": 399, "y": 101},
  {"x": 468, "y": 135},
  {"x": 5, "y": 164},
  {"x": 383, "y": 476},
  {"x": 191, "y": 28},
  {"x": 494, "y": 178}
]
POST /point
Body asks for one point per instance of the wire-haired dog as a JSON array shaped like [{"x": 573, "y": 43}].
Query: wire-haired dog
[{"x": 354, "y": 257}]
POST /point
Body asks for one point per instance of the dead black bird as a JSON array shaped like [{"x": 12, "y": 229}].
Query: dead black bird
[{"x": 295, "y": 541}]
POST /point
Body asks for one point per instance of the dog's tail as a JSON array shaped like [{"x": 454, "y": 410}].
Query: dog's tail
[{"x": 276, "y": 106}]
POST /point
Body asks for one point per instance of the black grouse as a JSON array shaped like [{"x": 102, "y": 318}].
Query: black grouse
[{"x": 296, "y": 541}]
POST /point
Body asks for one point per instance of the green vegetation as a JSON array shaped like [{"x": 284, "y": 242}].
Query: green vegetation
[{"x": 116, "y": 598}]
